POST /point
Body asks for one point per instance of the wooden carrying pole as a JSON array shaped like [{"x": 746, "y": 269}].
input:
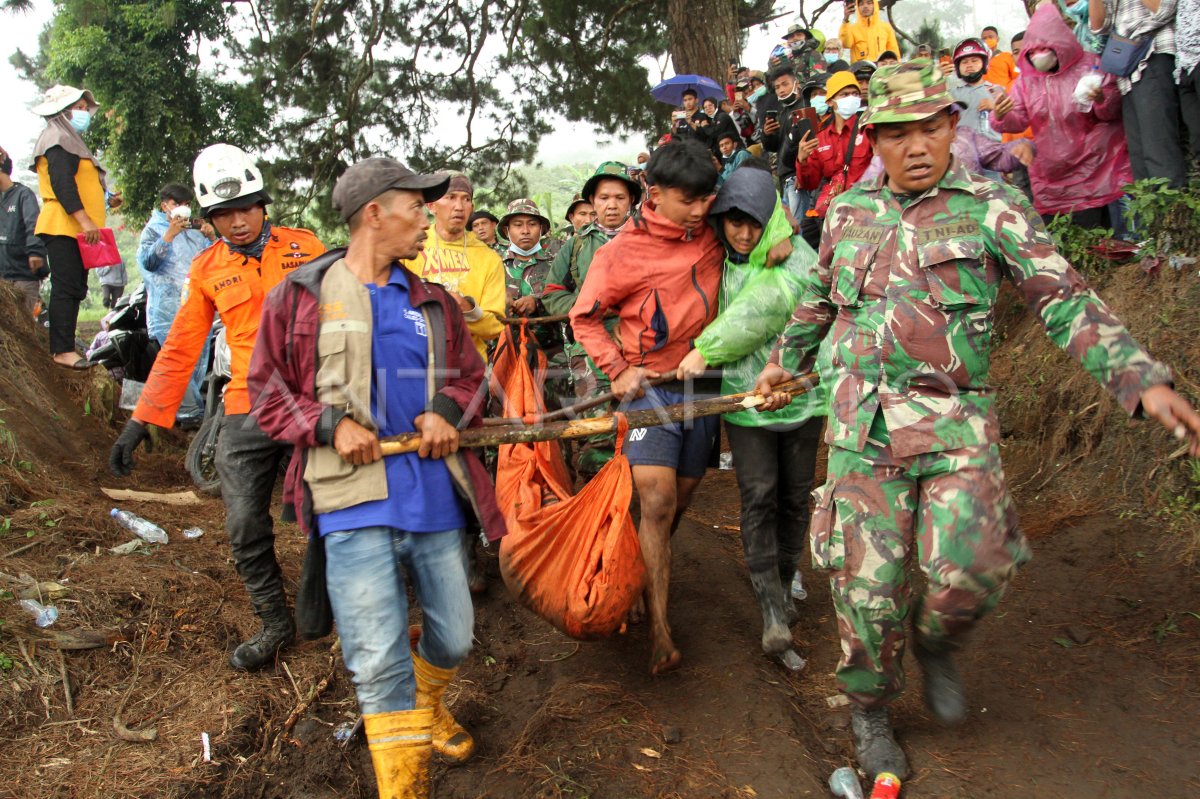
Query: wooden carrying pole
[{"x": 579, "y": 428}]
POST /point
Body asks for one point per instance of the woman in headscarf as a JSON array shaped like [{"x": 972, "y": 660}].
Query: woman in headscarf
[{"x": 74, "y": 200}]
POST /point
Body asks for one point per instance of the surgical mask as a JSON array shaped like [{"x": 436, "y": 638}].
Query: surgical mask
[
  {"x": 532, "y": 251},
  {"x": 1043, "y": 60},
  {"x": 831, "y": 57},
  {"x": 820, "y": 106},
  {"x": 847, "y": 107},
  {"x": 991, "y": 42},
  {"x": 80, "y": 120},
  {"x": 753, "y": 96}
]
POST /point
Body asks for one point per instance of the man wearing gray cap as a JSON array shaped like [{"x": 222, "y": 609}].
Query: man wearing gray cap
[{"x": 352, "y": 348}]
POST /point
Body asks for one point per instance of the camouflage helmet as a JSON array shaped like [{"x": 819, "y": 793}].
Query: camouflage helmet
[
  {"x": 906, "y": 92},
  {"x": 614, "y": 170},
  {"x": 522, "y": 207}
]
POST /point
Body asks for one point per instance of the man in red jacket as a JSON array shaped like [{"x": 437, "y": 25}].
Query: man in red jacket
[
  {"x": 661, "y": 275},
  {"x": 353, "y": 348},
  {"x": 821, "y": 162}
]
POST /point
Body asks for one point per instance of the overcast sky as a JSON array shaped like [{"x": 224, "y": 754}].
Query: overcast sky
[{"x": 565, "y": 145}]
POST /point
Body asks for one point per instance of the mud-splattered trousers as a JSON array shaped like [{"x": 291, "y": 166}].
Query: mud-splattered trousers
[{"x": 906, "y": 287}]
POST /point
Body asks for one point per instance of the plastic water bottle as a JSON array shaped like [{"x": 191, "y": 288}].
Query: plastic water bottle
[
  {"x": 1083, "y": 90},
  {"x": 145, "y": 530},
  {"x": 798, "y": 591},
  {"x": 44, "y": 615},
  {"x": 844, "y": 783}
]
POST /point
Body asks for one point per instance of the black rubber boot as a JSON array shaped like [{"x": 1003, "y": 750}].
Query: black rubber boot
[
  {"x": 875, "y": 745},
  {"x": 277, "y": 631},
  {"x": 944, "y": 694},
  {"x": 776, "y": 637}
]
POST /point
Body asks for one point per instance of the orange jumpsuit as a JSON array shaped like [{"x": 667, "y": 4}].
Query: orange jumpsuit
[{"x": 221, "y": 281}]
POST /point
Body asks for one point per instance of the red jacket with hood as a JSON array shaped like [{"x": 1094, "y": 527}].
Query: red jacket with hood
[
  {"x": 662, "y": 281},
  {"x": 1081, "y": 160},
  {"x": 286, "y": 353}
]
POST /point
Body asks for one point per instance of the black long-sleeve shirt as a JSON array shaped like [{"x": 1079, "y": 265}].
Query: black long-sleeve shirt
[{"x": 62, "y": 166}]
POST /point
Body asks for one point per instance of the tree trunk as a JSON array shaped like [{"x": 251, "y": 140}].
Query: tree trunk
[{"x": 704, "y": 36}]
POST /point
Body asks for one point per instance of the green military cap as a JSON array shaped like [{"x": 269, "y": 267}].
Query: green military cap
[
  {"x": 522, "y": 207},
  {"x": 906, "y": 92},
  {"x": 616, "y": 171},
  {"x": 576, "y": 200}
]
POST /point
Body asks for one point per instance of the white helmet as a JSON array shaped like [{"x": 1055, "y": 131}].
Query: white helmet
[{"x": 226, "y": 177}]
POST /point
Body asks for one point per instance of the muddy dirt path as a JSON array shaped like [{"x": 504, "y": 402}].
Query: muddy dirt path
[{"x": 1085, "y": 684}]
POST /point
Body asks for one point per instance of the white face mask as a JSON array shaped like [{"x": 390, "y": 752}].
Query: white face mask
[
  {"x": 1043, "y": 61},
  {"x": 847, "y": 107}
]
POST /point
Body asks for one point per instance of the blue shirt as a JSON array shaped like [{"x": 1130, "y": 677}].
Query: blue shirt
[{"x": 421, "y": 494}]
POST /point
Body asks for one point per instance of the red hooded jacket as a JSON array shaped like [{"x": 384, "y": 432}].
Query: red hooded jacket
[
  {"x": 662, "y": 281},
  {"x": 1081, "y": 160}
]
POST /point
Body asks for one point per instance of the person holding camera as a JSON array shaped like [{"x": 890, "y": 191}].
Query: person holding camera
[{"x": 169, "y": 242}]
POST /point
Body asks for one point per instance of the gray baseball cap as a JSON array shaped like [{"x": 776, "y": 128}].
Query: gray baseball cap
[{"x": 368, "y": 179}]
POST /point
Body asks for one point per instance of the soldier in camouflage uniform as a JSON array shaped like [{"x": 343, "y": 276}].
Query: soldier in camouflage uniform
[
  {"x": 908, "y": 273},
  {"x": 613, "y": 194},
  {"x": 526, "y": 267}
]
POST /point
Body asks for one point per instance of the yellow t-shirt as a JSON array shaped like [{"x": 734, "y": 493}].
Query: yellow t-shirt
[{"x": 473, "y": 269}]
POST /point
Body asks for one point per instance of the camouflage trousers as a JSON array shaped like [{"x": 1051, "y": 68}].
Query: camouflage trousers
[
  {"x": 594, "y": 451},
  {"x": 954, "y": 507}
]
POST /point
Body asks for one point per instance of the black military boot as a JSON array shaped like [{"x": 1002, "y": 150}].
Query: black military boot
[
  {"x": 944, "y": 694},
  {"x": 277, "y": 631},
  {"x": 874, "y": 744},
  {"x": 776, "y": 637}
]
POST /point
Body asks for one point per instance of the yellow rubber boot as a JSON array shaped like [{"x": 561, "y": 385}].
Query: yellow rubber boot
[
  {"x": 401, "y": 745},
  {"x": 450, "y": 740}
]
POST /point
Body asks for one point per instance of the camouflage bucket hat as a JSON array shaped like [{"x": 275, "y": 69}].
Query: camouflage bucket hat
[
  {"x": 617, "y": 171},
  {"x": 906, "y": 92},
  {"x": 522, "y": 207},
  {"x": 576, "y": 200}
]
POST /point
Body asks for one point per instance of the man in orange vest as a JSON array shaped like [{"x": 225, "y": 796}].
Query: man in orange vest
[{"x": 231, "y": 278}]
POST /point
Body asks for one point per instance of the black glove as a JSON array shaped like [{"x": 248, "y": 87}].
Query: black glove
[{"x": 120, "y": 460}]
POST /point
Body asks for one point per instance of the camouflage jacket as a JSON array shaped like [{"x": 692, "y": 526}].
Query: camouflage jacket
[
  {"x": 527, "y": 278},
  {"x": 910, "y": 290},
  {"x": 571, "y": 267}
]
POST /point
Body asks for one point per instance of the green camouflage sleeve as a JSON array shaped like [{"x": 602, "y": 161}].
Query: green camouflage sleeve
[
  {"x": 1075, "y": 318},
  {"x": 814, "y": 313},
  {"x": 558, "y": 299}
]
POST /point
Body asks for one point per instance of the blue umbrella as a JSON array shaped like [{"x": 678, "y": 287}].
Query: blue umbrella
[{"x": 671, "y": 90}]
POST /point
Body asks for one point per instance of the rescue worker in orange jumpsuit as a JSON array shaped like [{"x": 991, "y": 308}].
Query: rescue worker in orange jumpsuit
[{"x": 231, "y": 278}]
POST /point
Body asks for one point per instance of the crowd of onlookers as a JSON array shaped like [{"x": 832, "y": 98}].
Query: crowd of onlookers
[{"x": 1050, "y": 115}]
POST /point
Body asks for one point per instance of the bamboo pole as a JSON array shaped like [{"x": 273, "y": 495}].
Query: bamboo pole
[{"x": 580, "y": 428}]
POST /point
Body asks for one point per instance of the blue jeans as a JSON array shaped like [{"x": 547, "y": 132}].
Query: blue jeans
[{"x": 365, "y": 570}]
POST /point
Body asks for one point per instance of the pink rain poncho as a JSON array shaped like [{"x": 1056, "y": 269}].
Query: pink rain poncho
[{"x": 1081, "y": 160}]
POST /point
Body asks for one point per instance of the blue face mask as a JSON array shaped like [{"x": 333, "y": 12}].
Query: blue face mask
[
  {"x": 80, "y": 120},
  {"x": 757, "y": 93},
  {"x": 831, "y": 57},
  {"x": 847, "y": 106},
  {"x": 820, "y": 106},
  {"x": 534, "y": 250}
]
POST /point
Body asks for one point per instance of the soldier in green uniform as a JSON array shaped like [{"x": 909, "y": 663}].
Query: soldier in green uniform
[
  {"x": 907, "y": 277},
  {"x": 613, "y": 195}
]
